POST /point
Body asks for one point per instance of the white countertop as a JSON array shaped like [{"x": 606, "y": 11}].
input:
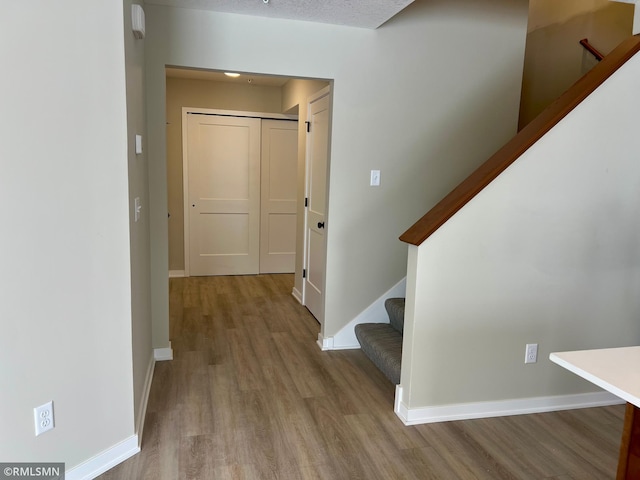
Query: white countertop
[{"x": 617, "y": 370}]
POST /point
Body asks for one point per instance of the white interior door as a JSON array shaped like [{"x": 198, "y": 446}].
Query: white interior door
[
  {"x": 223, "y": 173},
  {"x": 315, "y": 224},
  {"x": 279, "y": 167}
]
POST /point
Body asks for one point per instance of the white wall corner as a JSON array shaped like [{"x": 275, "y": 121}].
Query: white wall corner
[
  {"x": 104, "y": 461},
  {"x": 297, "y": 295},
  {"x": 162, "y": 354},
  {"x": 346, "y": 339},
  {"x": 144, "y": 400},
  {"x": 176, "y": 273},
  {"x": 470, "y": 411}
]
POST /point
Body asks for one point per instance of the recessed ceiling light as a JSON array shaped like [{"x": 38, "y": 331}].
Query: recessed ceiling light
[{"x": 232, "y": 74}]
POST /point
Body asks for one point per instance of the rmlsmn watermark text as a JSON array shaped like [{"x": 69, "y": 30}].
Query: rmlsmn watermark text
[{"x": 27, "y": 471}]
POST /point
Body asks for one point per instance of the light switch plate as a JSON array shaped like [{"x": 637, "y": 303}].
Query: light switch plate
[
  {"x": 138, "y": 144},
  {"x": 375, "y": 178},
  {"x": 137, "y": 208}
]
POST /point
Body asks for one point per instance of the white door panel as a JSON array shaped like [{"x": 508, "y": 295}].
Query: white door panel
[
  {"x": 316, "y": 166},
  {"x": 223, "y": 163},
  {"x": 278, "y": 196}
]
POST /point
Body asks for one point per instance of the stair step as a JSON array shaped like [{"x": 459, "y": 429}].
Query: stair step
[
  {"x": 382, "y": 343},
  {"x": 395, "y": 309}
]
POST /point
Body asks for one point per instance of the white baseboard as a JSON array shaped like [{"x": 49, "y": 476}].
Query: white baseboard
[
  {"x": 297, "y": 295},
  {"x": 144, "y": 400},
  {"x": 325, "y": 343},
  {"x": 328, "y": 343},
  {"x": 467, "y": 411},
  {"x": 346, "y": 339},
  {"x": 176, "y": 273},
  {"x": 398, "y": 405},
  {"x": 104, "y": 461},
  {"x": 162, "y": 354}
]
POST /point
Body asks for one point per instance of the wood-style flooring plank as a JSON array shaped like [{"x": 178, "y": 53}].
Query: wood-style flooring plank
[{"x": 249, "y": 395}]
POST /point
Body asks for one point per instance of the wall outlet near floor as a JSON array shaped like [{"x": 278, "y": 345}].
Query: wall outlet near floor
[
  {"x": 531, "y": 353},
  {"x": 43, "y": 417}
]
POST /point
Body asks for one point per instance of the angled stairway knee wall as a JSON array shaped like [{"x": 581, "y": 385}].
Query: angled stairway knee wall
[
  {"x": 375, "y": 313},
  {"x": 547, "y": 253}
]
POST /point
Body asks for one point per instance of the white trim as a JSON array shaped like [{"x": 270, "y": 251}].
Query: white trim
[
  {"x": 318, "y": 95},
  {"x": 104, "y": 461},
  {"x": 467, "y": 411},
  {"x": 325, "y": 343},
  {"x": 162, "y": 354},
  {"x": 297, "y": 295},
  {"x": 176, "y": 274},
  {"x": 144, "y": 400},
  {"x": 329, "y": 343},
  {"x": 239, "y": 113},
  {"x": 398, "y": 405},
  {"x": 346, "y": 339},
  {"x": 185, "y": 192}
]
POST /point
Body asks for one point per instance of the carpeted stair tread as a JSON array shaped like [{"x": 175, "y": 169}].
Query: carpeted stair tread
[{"x": 382, "y": 343}]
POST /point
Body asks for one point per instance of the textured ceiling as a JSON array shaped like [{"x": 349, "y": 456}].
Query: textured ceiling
[{"x": 353, "y": 13}]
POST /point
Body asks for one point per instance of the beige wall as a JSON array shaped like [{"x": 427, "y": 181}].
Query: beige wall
[
  {"x": 411, "y": 99},
  {"x": 65, "y": 307},
  {"x": 548, "y": 253},
  {"x": 554, "y": 60},
  {"x": 543, "y": 13},
  {"x": 139, "y": 231},
  {"x": 203, "y": 94}
]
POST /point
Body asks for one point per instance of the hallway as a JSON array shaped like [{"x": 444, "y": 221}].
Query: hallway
[{"x": 250, "y": 395}]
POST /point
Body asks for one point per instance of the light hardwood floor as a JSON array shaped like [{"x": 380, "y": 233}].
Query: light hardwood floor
[{"x": 249, "y": 395}]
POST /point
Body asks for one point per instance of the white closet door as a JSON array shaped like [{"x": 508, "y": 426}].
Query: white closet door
[
  {"x": 223, "y": 163},
  {"x": 278, "y": 196}
]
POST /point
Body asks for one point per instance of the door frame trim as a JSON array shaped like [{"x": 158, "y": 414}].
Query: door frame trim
[{"x": 185, "y": 163}]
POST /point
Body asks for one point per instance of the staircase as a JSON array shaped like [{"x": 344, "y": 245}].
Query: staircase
[{"x": 382, "y": 342}]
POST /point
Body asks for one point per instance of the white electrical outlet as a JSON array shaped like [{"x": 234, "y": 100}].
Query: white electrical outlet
[
  {"x": 531, "y": 353},
  {"x": 43, "y": 417}
]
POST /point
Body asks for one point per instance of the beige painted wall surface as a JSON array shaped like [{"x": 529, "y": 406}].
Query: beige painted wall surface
[
  {"x": 548, "y": 253},
  {"x": 65, "y": 306},
  {"x": 543, "y": 13},
  {"x": 554, "y": 59},
  {"x": 139, "y": 231},
  {"x": 416, "y": 99},
  {"x": 203, "y": 94},
  {"x": 297, "y": 91}
]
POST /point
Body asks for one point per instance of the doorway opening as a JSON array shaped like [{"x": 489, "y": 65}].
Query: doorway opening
[{"x": 249, "y": 93}]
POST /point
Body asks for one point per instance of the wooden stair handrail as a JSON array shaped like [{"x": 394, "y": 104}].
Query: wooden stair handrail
[
  {"x": 591, "y": 49},
  {"x": 503, "y": 158}
]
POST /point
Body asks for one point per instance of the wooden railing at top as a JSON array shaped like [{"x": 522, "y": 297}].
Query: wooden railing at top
[{"x": 529, "y": 135}]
